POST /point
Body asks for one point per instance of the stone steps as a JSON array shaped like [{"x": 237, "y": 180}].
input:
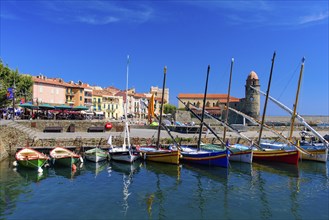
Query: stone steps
[{"x": 31, "y": 133}]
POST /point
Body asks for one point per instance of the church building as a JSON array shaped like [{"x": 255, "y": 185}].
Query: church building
[{"x": 215, "y": 103}]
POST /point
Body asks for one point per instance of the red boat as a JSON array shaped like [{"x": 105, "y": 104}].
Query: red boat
[{"x": 283, "y": 156}]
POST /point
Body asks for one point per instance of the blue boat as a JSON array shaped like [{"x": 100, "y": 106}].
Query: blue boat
[
  {"x": 215, "y": 156},
  {"x": 218, "y": 157}
]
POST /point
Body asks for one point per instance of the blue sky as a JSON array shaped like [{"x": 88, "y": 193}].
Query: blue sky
[{"x": 90, "y": 41}]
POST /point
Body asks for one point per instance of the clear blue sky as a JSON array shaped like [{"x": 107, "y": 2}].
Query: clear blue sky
[{"x": 90, "y": 40}]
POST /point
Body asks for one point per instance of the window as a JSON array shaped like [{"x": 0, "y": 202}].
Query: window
[
  {"x": 80, "y": 98},
  {"x": 81, "y": 91}
]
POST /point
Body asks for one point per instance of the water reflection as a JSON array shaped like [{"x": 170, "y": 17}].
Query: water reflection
[
  {"x": 32, "y": 175},
  {"x": 145, "y": 190},
  {"x": 127, "y": 170},
  {"x": 164, "y": 174},
  {"x": 95, "y": 168}
]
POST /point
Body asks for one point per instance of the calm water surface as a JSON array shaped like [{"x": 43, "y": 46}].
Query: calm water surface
[{"x": 147, "y": 190}]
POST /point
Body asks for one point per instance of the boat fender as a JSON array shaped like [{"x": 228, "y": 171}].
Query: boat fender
[
  {"x": 74, "y": 167},
  {"x": 15, "y": 163},
  {"x": 40, "y": 170},
  {"x": 144, "y": 156},
  {"x": 81, "y": 160}
]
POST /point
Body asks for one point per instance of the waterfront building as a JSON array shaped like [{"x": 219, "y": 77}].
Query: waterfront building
[
  {"x": 48, "y": 90},
  {"x": 107, "y": 104}
]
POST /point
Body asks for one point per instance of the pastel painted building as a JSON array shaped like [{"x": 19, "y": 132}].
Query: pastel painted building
[{"x": 48, "y": 90}]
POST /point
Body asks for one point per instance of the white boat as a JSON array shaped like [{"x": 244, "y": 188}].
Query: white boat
[
  {"x": 124, "y": 153},
  {"x": 96, "y": 154}
]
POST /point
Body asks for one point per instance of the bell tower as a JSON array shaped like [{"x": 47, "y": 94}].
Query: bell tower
[{"x": 252, "y": 97}]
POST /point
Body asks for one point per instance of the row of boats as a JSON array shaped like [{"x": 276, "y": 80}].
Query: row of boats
[{"x": 205, "y": 154}]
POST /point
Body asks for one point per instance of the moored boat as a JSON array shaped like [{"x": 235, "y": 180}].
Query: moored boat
[
  {"x": 124, "y": 153},
  {"x": 96, "y": 154},
  {"x": 240, "y": 153},
  {"x": 30, "y": 158},
  {"x": 157, "y": 153},
  {"x": 204, "y": 156},
  {"x": 65, "y": 157},
  {"x": 152, "y": 153},
  {"x": 273, "y": 155}
]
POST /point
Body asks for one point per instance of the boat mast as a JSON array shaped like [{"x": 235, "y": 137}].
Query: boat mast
[
  {"x": 293, "y": 116},
  {"x": 266, "y": 99},
  {"x": 228, "y": 98},
  {"x": 126, "y": 136},
  {"x": 162, "y": 98},
  {"x": 203, "y": 107},
  {"x": 300, "y": 118}
]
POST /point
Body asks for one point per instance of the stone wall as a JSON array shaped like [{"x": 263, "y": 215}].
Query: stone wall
[
  {"x": 79, "y": 126},
  {"x": 3, "y": 151}
]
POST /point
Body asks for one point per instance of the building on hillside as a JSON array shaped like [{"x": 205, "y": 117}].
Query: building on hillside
[{"x": 215, "y": 103}]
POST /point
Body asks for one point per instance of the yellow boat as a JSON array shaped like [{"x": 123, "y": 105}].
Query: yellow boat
[{"x": 152, "y": 153}]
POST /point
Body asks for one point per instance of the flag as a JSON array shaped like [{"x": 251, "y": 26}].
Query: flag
[
  {"x": 151, "y": 108},
  {"x": 10, "y": 93}
]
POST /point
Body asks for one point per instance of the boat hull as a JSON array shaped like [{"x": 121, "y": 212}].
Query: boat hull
[
  {"x": 206, "y": 157},
  {"x": 282, "y": 156},
  {"x": 320, "y": 155},
  {"x": 159, "y": 155},
  {"x": 30, "y": 158},
  {"x": 240, "y": 153},
  {"x": 96, "y": 155},
  {"x": 64, "y": 157},
  {"x": 124, "y": 156}
]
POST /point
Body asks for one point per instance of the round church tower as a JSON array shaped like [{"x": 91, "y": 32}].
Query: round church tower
[{"x": 252, "y": 97}]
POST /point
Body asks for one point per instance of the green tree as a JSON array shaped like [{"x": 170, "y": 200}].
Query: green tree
[
  {"x": 169, "y": 109},
  {"x": 23, "y": 85}
]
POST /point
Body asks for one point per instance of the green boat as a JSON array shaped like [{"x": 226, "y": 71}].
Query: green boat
[
  {"x": 30, "y": 158},
  {"x": 64, "y": 157}
]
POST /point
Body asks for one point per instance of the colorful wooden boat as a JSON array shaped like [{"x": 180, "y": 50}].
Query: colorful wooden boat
[
  {"x": 206, "y": 156},
  {"x": 317, "y": 153},
  {"x": 152, "y": 153},
  {"x": 64, "y": 157},
  {"x": 30, "y": 158},
  {"x": 273, "y": 155},
  {"x": 240, "y": 153},
  {"x": 96, "y": 154}
]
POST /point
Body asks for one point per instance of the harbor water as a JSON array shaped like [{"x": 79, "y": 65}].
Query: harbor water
[{"x": 146, "y": 190}]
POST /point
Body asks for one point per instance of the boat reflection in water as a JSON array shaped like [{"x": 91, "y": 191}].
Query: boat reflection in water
[
  {"x": 127, "y": 170},
  {"x": 31, "y": 175},
  {"x": 164, "y": 180},
  {"x": 66, "y": 173},
  {"x": 95, "y": 168}
]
